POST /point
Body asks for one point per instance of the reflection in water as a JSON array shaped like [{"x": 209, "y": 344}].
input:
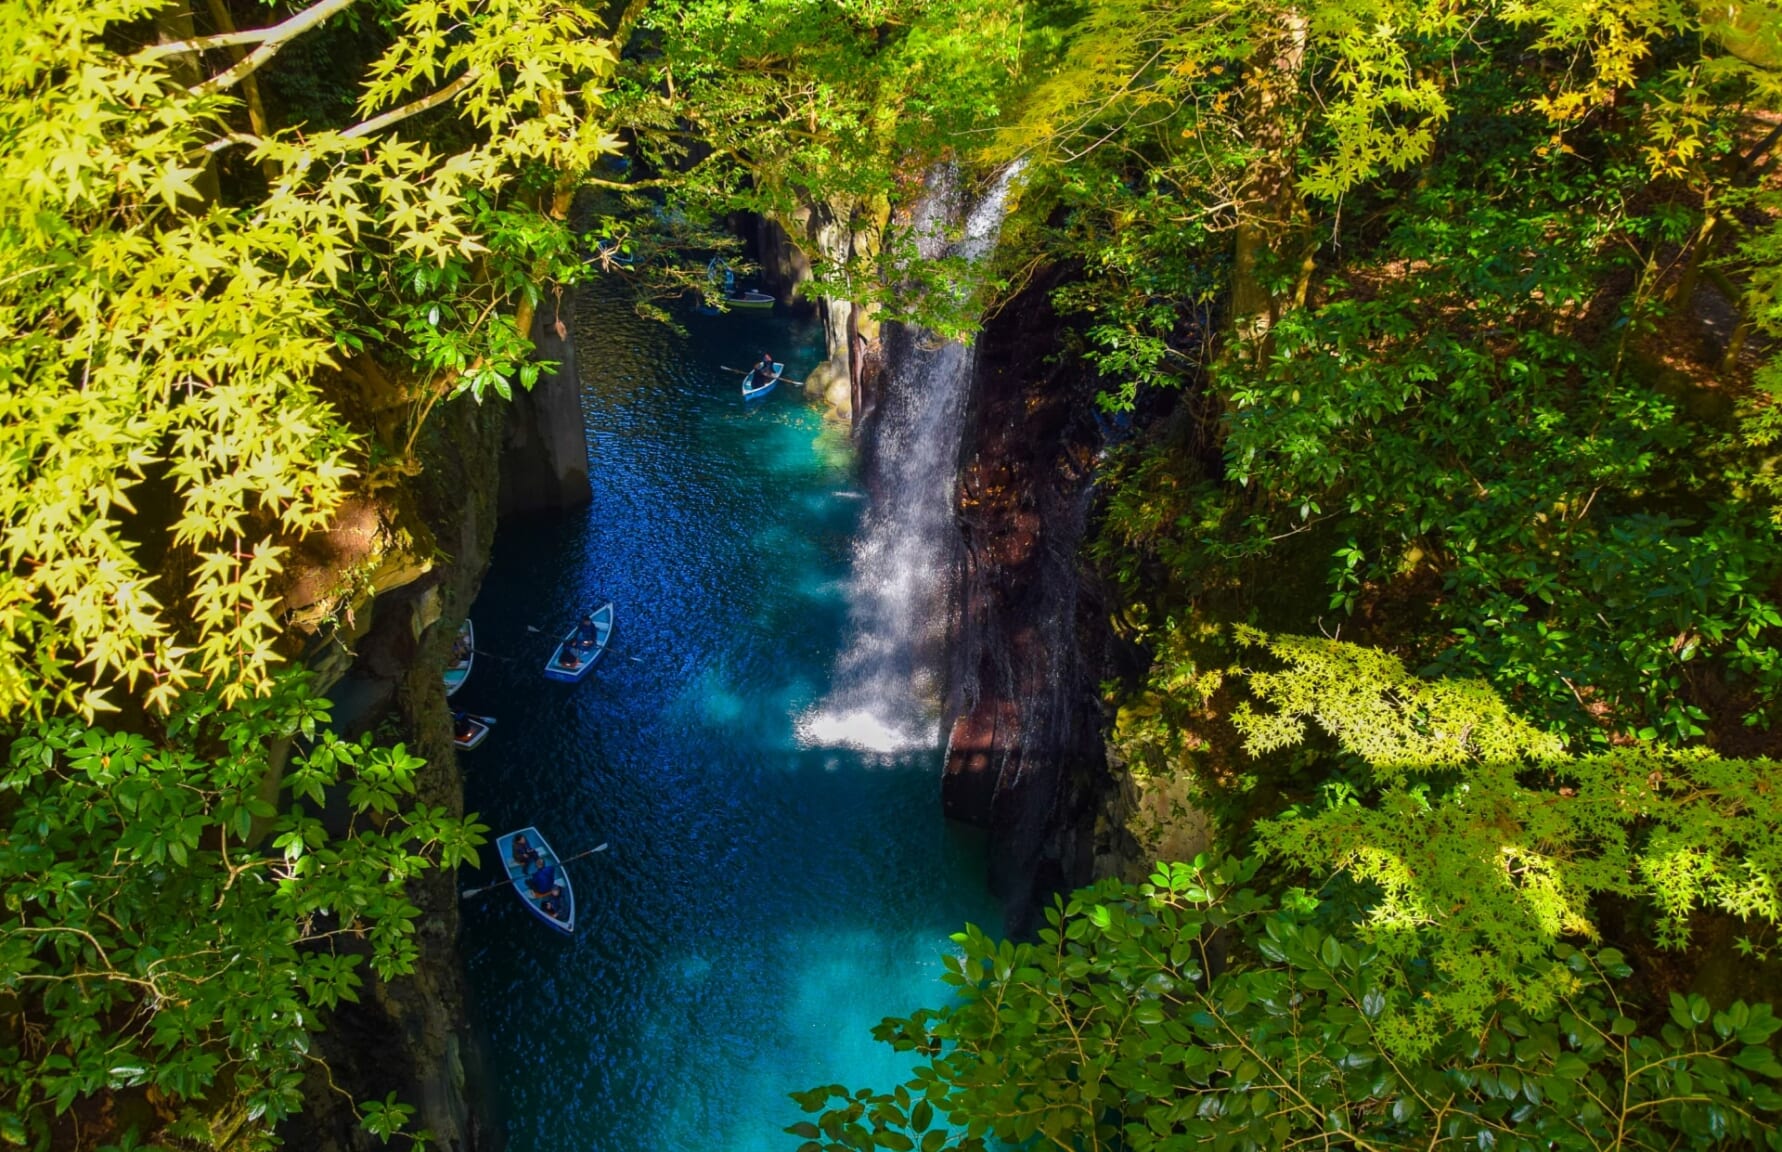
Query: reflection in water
[{"x": 763, "y": 904}]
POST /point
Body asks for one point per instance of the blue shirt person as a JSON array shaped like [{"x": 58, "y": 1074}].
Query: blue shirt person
[{"x": 544, "y": 882}]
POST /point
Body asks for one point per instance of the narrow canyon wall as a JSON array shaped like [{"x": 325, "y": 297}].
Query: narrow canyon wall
[
  {"x": 380, "y": 660},
  {"x": 544, "y": 450},
  {"x": 1025, "y": 753}
]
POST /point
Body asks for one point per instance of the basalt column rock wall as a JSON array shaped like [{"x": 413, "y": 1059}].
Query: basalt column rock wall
[{"x": 1025, "y": 753}]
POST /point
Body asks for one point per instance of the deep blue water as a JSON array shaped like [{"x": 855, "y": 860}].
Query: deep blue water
[{"x": 762, "y": 905}]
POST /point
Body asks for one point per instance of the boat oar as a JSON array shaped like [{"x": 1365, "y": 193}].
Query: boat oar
[
  {"x": 746, "y": 371},
  {"x": 469, "y": 892},
  {"x": 537, "y": 631},
  {"x": 493, "y": 655}
]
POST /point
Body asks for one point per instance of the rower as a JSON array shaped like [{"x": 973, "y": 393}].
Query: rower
[{"x": 544, "y": 883}]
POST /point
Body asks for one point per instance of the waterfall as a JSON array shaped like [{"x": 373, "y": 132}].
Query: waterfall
[{"x": 885, "y": 694}]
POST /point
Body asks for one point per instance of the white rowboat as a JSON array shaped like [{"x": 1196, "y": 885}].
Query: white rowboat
[{"x": 458, "y": 671}]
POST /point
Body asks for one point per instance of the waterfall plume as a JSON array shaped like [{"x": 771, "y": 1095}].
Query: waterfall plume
[{"x": 884, "y": 696}]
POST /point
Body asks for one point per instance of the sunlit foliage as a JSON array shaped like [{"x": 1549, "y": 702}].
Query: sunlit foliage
[
  {"x": 1429, "y": 273},
  {"x": 1411, "y": 961},
  {"x": 1194, "y": 1012},
  {"x": 163, "y": 342},
  {"x": 1477, "y": 844},
  {"x": 825, "y": 117}
]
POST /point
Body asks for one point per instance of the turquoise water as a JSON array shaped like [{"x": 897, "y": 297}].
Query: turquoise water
[{"x": 762, "y": 905}]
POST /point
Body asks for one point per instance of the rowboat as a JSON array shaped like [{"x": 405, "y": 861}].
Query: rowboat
[
  {"x": 458, "y": 671},
  {"x": 750, "y": 392},
  {"x": 468, "y": 731},
  {"x": 750, "y": 299},
  {"x": 564, "y": 921},
  {"x": 571, "y": 661}
]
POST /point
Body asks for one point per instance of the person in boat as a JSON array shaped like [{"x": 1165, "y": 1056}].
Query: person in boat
[
  {"x": 569, "y": 661},
  {"x": 586, "y": 635},
  {"x": 525, "y": 855},
  {"x": 764, "y": 369},
  {"x": 460, "y": 650},
  {"x": 551, "y": 908},
  {"x": 543, "y": 883},
  {"x": 463, "y": 727}
]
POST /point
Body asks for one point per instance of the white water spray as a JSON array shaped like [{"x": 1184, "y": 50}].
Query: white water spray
[{"x": 884, "y": 696}]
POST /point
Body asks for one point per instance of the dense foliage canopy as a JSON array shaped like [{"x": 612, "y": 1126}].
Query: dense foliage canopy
[
  {"x": 1433, "y": 275},
  {"x": 153, "y": 946},
  {"x": 168, "y": 339},
  {"x": 1413, "y": 960},
  {"x": 1192, "y": 1012}
]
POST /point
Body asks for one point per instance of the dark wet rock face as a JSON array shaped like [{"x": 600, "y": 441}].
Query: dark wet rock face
[
  {"x": 411, "y": 1036},
  {"x": 1025, "y": 754},
  {"x": 544, "y": 450}
]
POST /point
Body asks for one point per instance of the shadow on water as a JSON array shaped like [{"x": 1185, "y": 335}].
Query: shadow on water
[{"x": 762, "y": 905}]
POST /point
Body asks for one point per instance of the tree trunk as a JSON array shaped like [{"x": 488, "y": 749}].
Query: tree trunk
[
  {"x": 1270, "y": 209},
  {"x": 250, "y": 86},
  {"x": 173, "y": 25}
]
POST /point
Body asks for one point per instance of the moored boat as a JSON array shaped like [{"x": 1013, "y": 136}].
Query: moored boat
[
  {"x": 518, "y": 872},
  {"x": 574, "y": 658},
  {"x": 468, "y": 731},
  {"x": 463, "y": 657},
  {"x": 750, "y": 299},
  {"x": 750, "y": 392}
]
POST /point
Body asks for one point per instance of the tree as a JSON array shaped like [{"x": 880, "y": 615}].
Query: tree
[
  {"x": 174, "y": 360},
  {"x": 1454, "y": 358},
  {"x": 1193, "y": 1012},
  {"x": 1413, "y": 959},
  {"x": 153, "y": 943},
  {"x": 819, "y": 117},
  {"x": 1476, "y": 846}
]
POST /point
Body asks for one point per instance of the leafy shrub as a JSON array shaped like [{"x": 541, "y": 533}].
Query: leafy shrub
[
  {"x": 1192, "y": 1012},
  {"x": 166, "y": 929},
  {"x": 1479, "y": 844}
]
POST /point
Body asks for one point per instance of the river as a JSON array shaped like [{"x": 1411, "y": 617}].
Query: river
[{"x": 762, "y": 904}]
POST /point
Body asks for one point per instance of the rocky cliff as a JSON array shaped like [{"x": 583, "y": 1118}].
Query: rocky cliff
[
  {"x": 544, "y": 449},
  {"x": 1025, "y": 753},
  {"x": 380, "y": 657}
]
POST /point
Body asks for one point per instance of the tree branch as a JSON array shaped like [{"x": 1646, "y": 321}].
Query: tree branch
[
  {"x": 270, "y": 41},
  {"x": 256, "y": 110},
  {"x": 414, "y": 108},
  {"x": 1751, "y": 158}
]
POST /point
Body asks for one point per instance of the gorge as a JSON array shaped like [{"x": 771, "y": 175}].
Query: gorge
[
  {"x": 1252, "y": 620},
  {"x": 811, "y": 850}
]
